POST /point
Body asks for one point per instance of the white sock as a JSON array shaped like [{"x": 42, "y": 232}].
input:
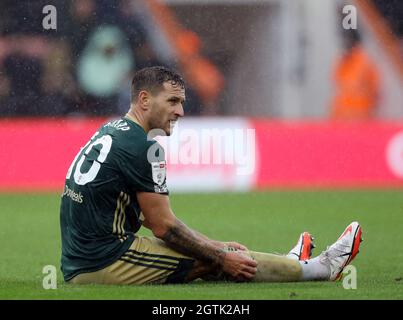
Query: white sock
[
  {"x": 292, "y": 256},
  {"x": 314, "y": 270}
]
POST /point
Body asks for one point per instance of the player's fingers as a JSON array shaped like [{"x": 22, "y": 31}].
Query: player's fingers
[
  {"x": 250, "y": 270},
  {"x": 251, "y": 263},
  {"x": 248, "y": 275},
  {"x": 236, "y": 245},
  {"x": 239, "y": 246}
]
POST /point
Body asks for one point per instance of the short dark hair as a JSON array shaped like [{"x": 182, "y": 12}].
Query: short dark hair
[{"x": 152, "y": 79}]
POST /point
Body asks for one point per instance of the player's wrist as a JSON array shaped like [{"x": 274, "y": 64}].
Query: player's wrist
[
  {"x": 221, "y": 257},
  {"x": 218, "y": 244}
]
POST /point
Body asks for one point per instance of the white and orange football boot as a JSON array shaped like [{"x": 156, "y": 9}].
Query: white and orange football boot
[
  {"x": 343, "y": 251},
  {"x": 303, "y": 249}
]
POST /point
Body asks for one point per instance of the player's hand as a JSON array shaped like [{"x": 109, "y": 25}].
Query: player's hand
[
  {"x": 230, "y": 244},
  {"x": 236, "y": 245},
  {"x": 239, "y": 265}
]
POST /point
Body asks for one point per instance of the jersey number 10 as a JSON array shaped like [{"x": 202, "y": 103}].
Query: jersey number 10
[{"x": 83, "y": 178}]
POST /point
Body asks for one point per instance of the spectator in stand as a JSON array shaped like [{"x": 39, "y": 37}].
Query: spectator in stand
[
  {"x": 4, "y": 92},
  {"x": 82, "y": 19},
  {"x": 356, "y": 80},
  {"x": 20, "y": 59},
  {"x": 27, "y": 54},
  {"x": 108, "y": 45},
  {"x": 58, "y": 87},
  {"x": 102, "y": 68},
  {"x": 83, "y": 68}
]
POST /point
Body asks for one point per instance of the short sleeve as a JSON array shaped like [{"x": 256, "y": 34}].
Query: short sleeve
[{"x": 146, "y": 170}]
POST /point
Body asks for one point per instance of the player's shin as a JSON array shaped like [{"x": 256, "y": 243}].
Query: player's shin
[{"x": 275, "y": 268}]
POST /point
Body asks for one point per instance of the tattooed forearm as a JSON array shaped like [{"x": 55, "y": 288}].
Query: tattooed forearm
[
  {"x": 216, "y": 243},
  {"x": 183, "y": 239},
  {"x": 202, "y": 236}
]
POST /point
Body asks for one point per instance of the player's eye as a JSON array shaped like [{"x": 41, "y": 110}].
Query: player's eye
[{"x": 173, "y": 101}]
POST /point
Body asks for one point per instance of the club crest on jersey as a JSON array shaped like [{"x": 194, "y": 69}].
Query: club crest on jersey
[{"x": 159, "y": 172}]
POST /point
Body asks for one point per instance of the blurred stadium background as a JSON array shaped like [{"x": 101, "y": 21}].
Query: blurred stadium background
[{"x": 325, "y": 105}]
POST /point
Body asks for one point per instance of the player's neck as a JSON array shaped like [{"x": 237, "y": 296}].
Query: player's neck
[{"x": 133, "y": 116}]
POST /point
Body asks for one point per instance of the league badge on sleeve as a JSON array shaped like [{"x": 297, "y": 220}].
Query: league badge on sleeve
[{"x": 159, "y": 172}]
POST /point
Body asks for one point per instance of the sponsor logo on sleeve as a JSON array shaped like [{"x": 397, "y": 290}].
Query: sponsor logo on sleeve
[{"x": 159, "y": 174}]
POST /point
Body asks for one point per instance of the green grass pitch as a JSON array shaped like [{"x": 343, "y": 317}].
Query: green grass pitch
[{"x": 264, "y": 221}]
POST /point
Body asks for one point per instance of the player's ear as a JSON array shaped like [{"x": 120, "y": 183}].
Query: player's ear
[{"x": 144, "y": 99}]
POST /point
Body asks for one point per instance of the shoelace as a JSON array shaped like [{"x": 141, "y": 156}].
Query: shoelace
[{"x": 333, "y": 252}]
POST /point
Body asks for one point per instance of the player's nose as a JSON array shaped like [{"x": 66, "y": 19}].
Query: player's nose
[{"x": 179, "y": 110}]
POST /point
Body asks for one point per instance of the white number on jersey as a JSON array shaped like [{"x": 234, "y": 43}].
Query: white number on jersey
[{"x": 83, "y": 178}]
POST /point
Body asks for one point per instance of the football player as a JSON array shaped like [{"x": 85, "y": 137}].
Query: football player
[{"x": 117, "y": 183}]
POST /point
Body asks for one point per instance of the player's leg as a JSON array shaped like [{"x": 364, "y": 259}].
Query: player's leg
[
  {"x": 270, "y": 268},
  {"x": 275, "y": 268},
  {"x": 279, "y": 268},
  {"x": 301, "y": 251},
  {"x": 149, "y": 260},
  {"x": 327, "y": 266}
]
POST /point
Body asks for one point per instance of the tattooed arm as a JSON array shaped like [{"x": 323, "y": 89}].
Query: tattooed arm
[
  {"x": 222, "y": 244},
  {"x": 189, "y": 242},
  {"x": 160, "y": 219}
]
